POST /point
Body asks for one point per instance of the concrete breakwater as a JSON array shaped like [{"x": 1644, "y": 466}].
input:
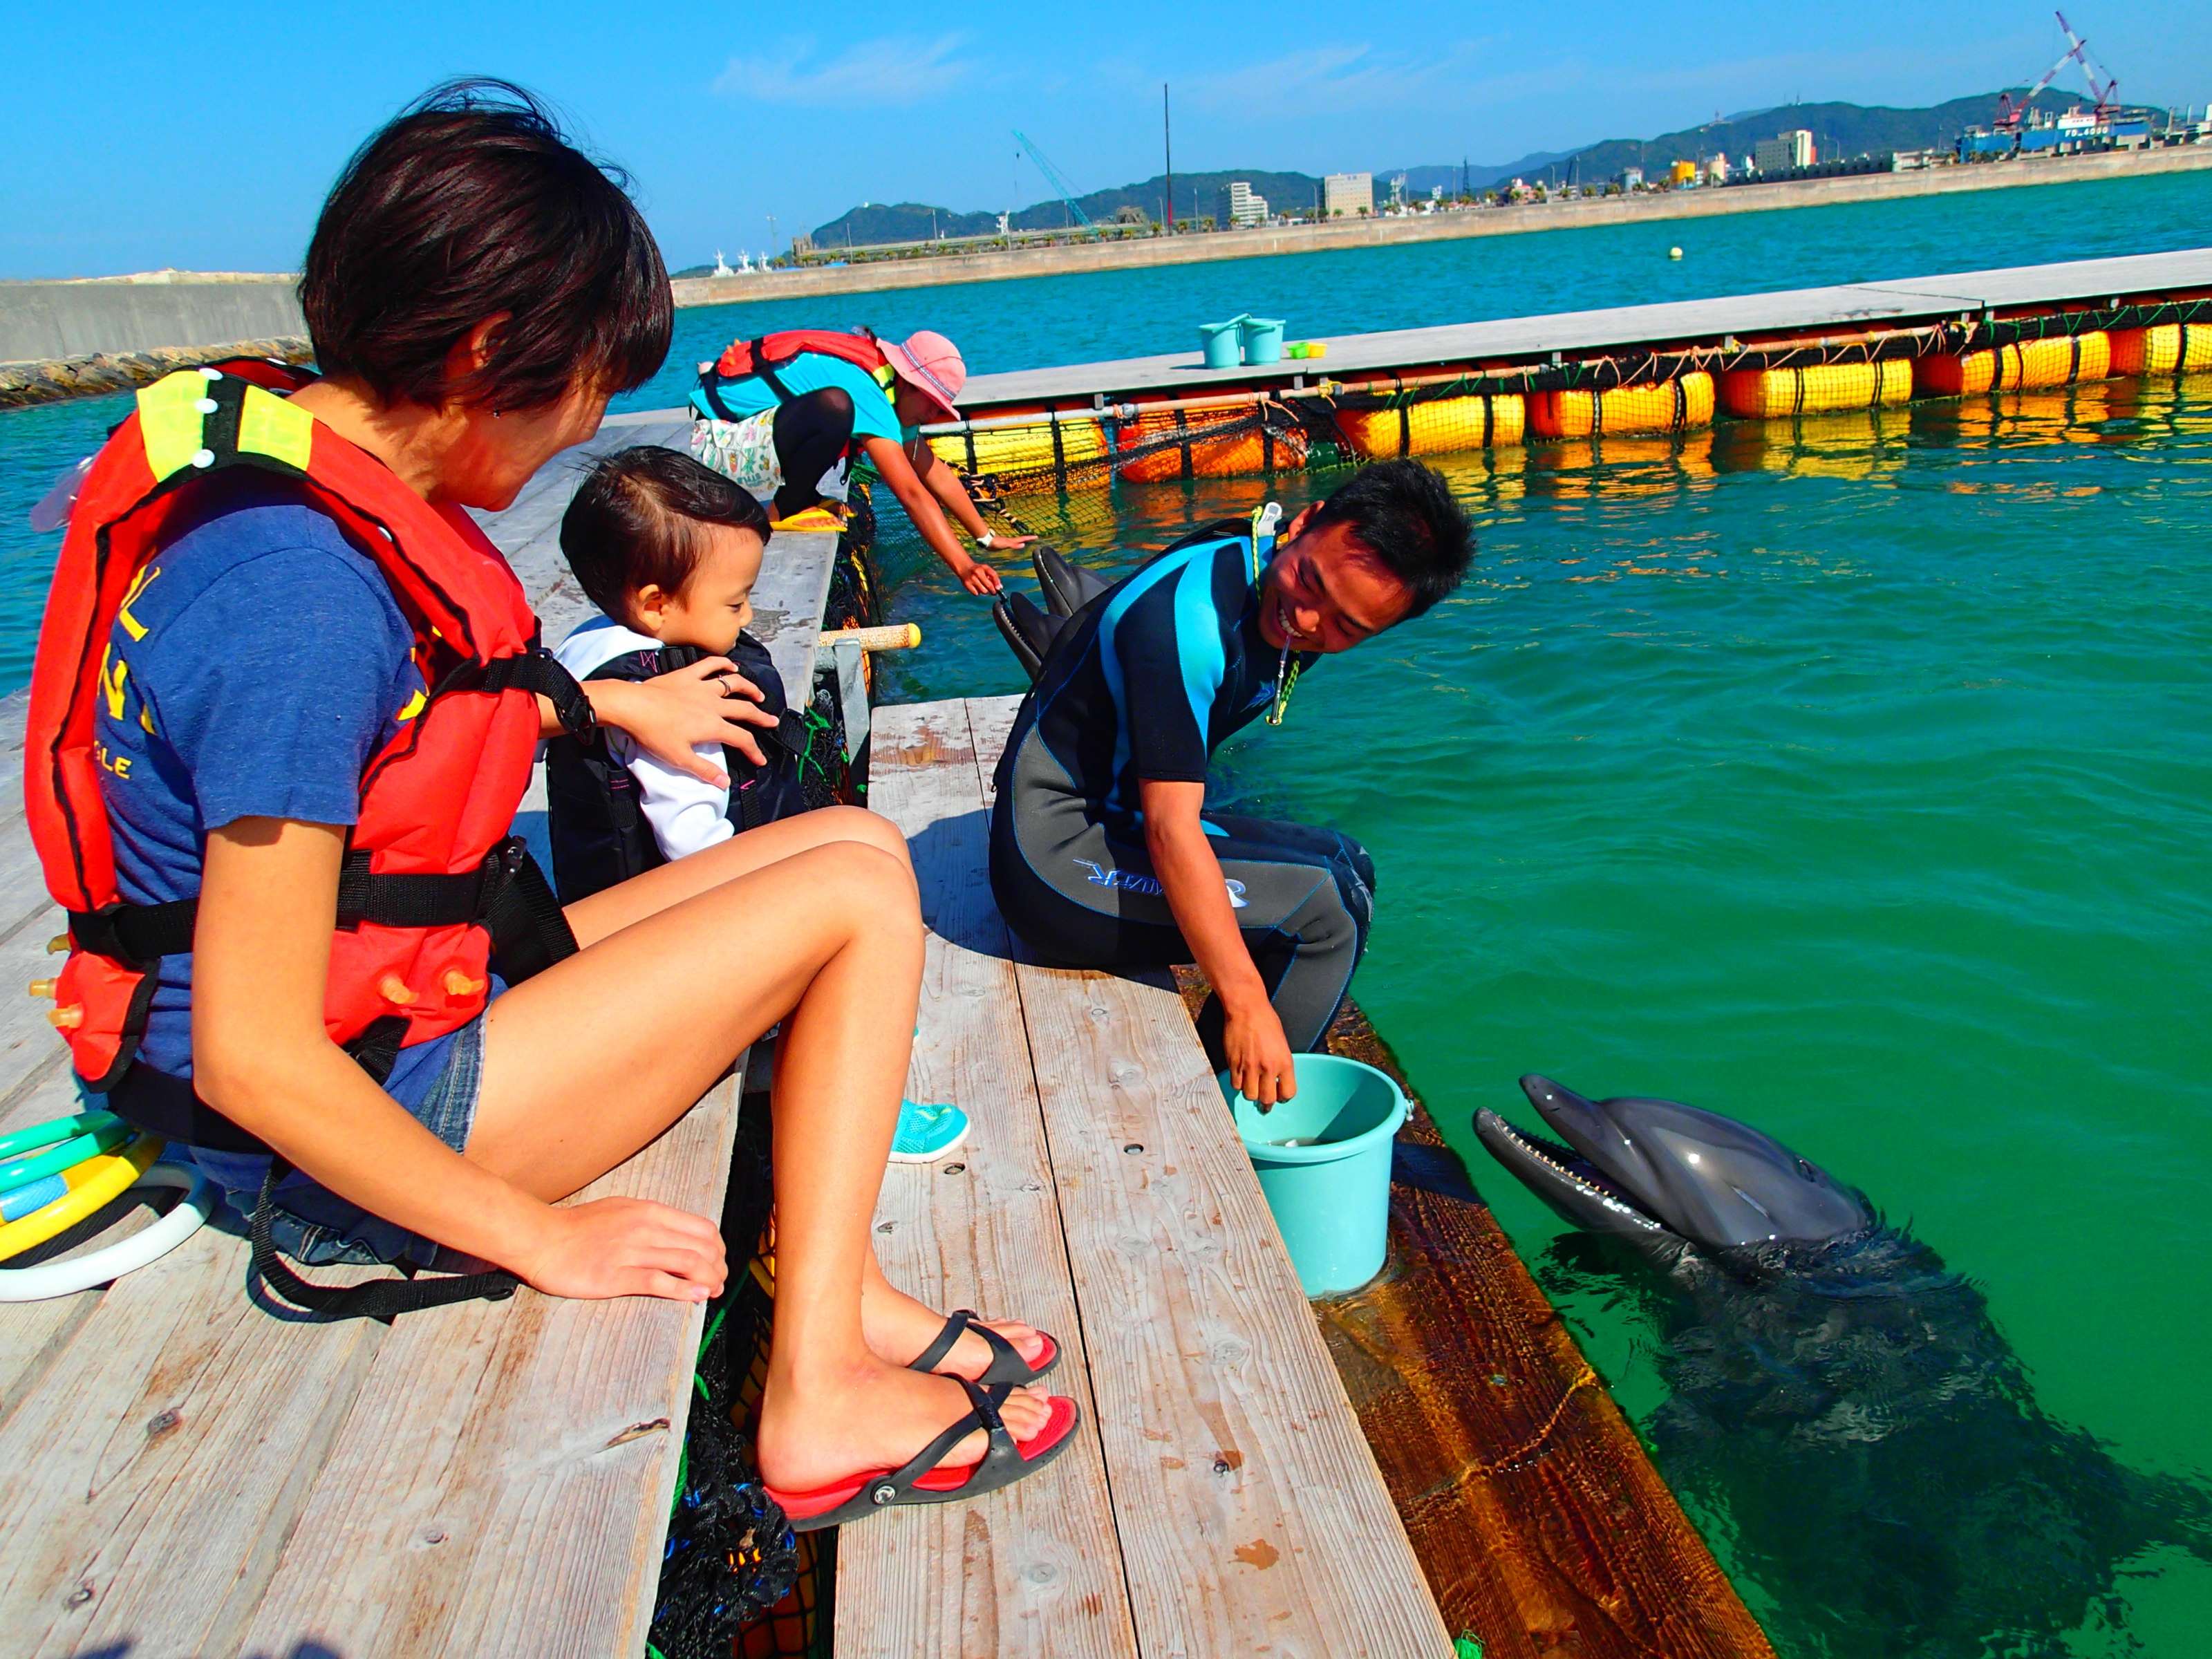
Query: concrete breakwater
[
  {"x": 1269, "y": 240},
  {"x": 50, "y": 381},
  {"x": 70, "y": 339}
]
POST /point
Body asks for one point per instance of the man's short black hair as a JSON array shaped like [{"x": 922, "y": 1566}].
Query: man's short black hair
[
  {"x": 471, "y": 203},
  {"x": 633, "y": 523},
  {"x": 1404, "y": 514}
]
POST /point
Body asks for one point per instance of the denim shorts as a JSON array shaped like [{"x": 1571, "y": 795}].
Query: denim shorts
[{"x": 316, "y": 1227}]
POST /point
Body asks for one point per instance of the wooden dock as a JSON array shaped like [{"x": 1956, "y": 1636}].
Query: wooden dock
[
  {"x": 1851, "y": 308},
  {"x": 1222, "y": 1500},
  {"x": 182, "y": 1474}
]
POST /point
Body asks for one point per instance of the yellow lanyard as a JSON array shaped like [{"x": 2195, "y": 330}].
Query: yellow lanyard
[{"x": 1264, "y": 520}]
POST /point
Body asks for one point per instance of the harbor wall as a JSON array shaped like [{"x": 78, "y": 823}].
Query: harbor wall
[
  {"x": 1268, "y": 241},
  {"x": 46, "y": 321}
]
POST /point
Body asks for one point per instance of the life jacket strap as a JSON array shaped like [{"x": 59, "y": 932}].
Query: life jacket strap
[{"x": 538, "y": 670}]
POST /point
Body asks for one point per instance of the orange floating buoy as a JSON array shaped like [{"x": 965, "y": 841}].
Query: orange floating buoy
[
  {"x": 2025, "y": 363},
  {"x": 1249, "y": 447},
  {"x": 2169, "y": 349},
  {"x": 1444, "y": 426},
  {"x": 1764, "y": 393},
  {"x": 1658, "y": 406}
]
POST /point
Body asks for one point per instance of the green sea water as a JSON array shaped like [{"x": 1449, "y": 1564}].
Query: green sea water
[{"x": 1851, "y": 776}]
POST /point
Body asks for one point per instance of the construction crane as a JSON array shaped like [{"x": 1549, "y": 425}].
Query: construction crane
[
  {"x": 1052, "y": 177},
  {"x": 2010, "y": 114}
]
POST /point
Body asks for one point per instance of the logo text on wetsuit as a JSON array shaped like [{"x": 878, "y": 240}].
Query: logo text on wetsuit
[{"x": 1131, "y": 881}]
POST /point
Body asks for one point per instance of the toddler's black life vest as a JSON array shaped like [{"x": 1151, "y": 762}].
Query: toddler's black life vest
[{"x": 595, "y": 816}]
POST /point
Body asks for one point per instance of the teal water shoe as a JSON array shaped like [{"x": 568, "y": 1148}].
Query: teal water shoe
[{"x": 927, "y": 1134}]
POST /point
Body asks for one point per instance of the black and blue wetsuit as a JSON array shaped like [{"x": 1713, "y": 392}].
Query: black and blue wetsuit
[{"x": 1146, "y": 682}]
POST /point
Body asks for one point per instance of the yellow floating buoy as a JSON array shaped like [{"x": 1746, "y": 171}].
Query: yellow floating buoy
[
  {"x": 1447, "y": 426},
  {"x": 2169, "y": 349},
  {"x": 1022, "y": 448},
  {"x": 2024, "y": 364},
  {"x": 1665, "y": 406},
  {"x": 1673, "y": 253},
  {"x": 1761, "y": 393}
]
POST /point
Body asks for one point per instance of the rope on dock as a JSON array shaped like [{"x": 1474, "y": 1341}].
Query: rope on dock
[{"x": 1528, "y": 1449}]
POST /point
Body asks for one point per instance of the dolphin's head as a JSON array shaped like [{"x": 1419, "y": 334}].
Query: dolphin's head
[{"x": 1653, "y": 1172}]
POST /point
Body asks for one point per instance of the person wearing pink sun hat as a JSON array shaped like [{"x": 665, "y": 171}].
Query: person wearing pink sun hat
[{"x": 785, "y": 415}]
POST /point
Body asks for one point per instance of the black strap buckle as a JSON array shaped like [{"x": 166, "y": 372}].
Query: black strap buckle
[{"x": 538, "y": 671}]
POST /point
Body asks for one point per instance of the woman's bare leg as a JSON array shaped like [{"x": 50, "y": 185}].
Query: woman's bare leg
[
  {"x": 898, "y": 1327},
  {"x": 590, "y": 1060}
]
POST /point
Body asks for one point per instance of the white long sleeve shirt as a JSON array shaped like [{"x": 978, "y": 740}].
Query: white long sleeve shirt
[{"x": 687, "y": 814}]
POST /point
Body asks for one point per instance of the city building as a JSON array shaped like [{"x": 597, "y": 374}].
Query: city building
[
  {"x": 1348, "y": 193},
  {"x": 1629, "y": 179},
  {"x": 1717, "y": 169},
  {"x": 1242, "y": 207},
  {"x": 1682, "y": 173},
  {"x": 1784, "y": 151}
]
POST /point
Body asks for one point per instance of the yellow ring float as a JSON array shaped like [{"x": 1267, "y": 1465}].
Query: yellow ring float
[{"x": 104, "y": 1178}]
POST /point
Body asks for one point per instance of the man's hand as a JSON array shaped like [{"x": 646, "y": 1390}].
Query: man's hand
[
  {"x": 999, "y": 541},
  {"x": 1260, "y": 1063},
  {"x": 624, "y": 1247},
  {"x": 709, "y": 703},
  {"x": 976, "y": 577}
]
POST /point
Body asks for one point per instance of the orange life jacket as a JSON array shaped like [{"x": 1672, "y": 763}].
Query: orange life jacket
[
  {"x": 431, "y": 870},
  {"x": 761, "y": 358}
]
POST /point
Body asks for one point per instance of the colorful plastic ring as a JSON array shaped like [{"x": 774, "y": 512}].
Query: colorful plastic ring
[
  {"x": 53, "y": 1129},
  {"x": 104, "y": 1137},
  {"x": 51, "y": 1279},
  {"x": 111, "y": 1178},
  {"x": 19, "y": 1203}
]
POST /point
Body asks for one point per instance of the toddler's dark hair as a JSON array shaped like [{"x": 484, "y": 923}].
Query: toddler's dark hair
[{"x": 633, "y": 523}]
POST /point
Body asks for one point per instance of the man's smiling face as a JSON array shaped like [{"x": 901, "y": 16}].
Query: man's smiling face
[{"x": 1325, "y": 592}]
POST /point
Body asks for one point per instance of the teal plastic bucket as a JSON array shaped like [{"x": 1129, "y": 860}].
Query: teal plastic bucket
[
  {"x": 1221, "y": 339},
  {"x": 1262, "y": 338},
  {"x": 1323, "y": 1158}
]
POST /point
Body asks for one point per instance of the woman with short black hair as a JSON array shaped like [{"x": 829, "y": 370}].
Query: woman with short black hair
[{"x": 284, "y": 678}]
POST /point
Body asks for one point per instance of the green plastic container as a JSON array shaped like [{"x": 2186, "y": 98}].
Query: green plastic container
[
  {"x": 1323, "y": 1158},
  {"x": 1262, "y": 338},
  {"x": 1221, "y": 341}
]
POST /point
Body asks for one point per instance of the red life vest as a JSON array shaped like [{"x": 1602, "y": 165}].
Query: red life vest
[
  {"x": 430, "y": 856},
  {"x": 772, "y": 351}
]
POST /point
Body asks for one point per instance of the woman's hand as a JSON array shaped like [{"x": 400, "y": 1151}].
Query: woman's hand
[
  {"x": 975, "y": 576},
  {"x": 624, "y": 1247},
  {"x": 1260, "y": 1063},
  {"x": 709, "y": 703}
]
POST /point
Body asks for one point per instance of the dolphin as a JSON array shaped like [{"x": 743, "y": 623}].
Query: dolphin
[{"x": 1843, "y": 1411}]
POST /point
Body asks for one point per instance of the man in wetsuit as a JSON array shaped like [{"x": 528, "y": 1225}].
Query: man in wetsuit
[{"x": 1102, "y": 854}]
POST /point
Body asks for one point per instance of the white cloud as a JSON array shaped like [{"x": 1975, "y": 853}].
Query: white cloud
[
  {"x": 1350, "y": 76},
  {"x": 894, "y": 71}
]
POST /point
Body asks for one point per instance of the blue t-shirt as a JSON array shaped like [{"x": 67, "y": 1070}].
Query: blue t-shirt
[
  {"x": 257, "y": 666},
  {"x": 1155, "y": 675},
  {"x": 873, "y": 417}
]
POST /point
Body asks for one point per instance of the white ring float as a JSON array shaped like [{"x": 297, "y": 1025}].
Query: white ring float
[{"x": 53, "y": 1279}]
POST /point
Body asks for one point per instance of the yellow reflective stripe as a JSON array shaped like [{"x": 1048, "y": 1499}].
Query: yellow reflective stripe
[
  {"x": 111, "y": 681},
  {"x": 268, "y": 425},
  {"x": 169, "y": 416},
  {"x": 414, "y": 708},
  {"x": 131, "y": 625}
]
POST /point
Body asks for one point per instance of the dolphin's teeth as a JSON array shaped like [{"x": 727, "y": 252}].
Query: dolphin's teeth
[{"x": 1587, "y": 1187}]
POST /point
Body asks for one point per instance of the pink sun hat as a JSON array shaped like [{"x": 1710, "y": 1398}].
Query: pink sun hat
[{"x": 932, "y": 365}]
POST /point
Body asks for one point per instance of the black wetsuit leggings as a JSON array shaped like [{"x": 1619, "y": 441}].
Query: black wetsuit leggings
[
  {"x": 813, "y": 434},
  {"x": 1305, "y": 900}
]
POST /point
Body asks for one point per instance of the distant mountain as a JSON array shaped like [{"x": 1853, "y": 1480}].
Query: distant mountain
[{"x": 1837, "y": 130}]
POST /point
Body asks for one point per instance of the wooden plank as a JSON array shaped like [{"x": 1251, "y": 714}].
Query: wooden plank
[
  {"x": 148, "y": 1482},
  {"x": 33, "y": 1333},
  {"x": 1529, "y": 1500},
  {"x": 1252, "y": 1514},
  {"x": 1034, "y": 1570},
  {"x": 501, "y": 1485}
]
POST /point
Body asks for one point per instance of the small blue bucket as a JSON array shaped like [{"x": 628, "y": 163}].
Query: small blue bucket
[
  {"x": 1262, "y": 338},
  {"x": 1323, "y": 1158},
  {"x": 1221, "y": 340}
]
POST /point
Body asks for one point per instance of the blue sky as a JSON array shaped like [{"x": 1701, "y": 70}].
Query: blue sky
[{"x": 205, "y": 137}]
